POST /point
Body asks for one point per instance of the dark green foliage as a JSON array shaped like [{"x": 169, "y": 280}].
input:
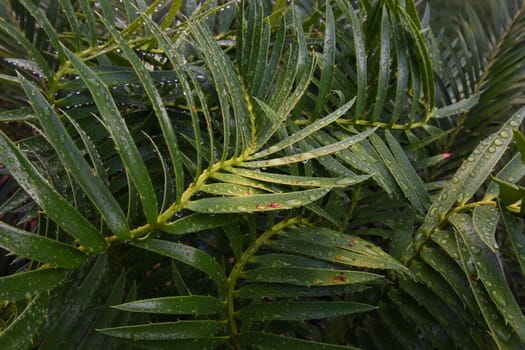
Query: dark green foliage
[{"x": 261, "y": 175}]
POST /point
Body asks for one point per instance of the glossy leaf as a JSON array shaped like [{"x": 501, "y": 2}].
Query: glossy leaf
[
  {"x": 485, "y": 219},
  {"x": 188, "y": 255},
  {"x": 472, "y": 173},
  {"x": 263, "y": 341},
  {"x": 198, "y": 222},
  {"x": 167, "y": 330},
  {"x": 73, "y": 159},
  {"x": 20, "y": 334},
  {"x": 194, "y": 304},
  {"x": 488, "y": 269},
  {"x": 300, "y": 310},
  {"x": 117, "y": 127},
  {"x": 308, "y": 276},
  {"x": 39, "y": 248},
  {"x": 300, "y": 180},
  {"x": 56, "y": 206},
  {"x": 23, "y": 285},
  {"x": 259, "y": 202},
  {"x": 312, "y": 154}
]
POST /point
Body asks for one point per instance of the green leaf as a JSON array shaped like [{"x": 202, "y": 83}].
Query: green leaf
[
  {"x": 335, "y": 254},
  {"x": 198, "y": 222},
  {"x": 300, "y": 310},
  {"x": 458, "y": 107},
  {"x": 55, "y": 206},
  {"x": 485, "y": 220},
  {"x": 514, "y": 228},
  {"x": 227, "y": 189},
  {"x": 328, "y": 63},
  {"x": 167, "y": 330},
  {"x": 194, "y": 304},
  {"x": 471, "y": 175},
  {"x": 311, "y": 154},
  {"x": 156, "y": 101},
  {"x": 209, "y": 343},
  {"x": 308, "y": 276},
  {"x": 350, "y": 249},
  {"x": 21, "y": 332},
  {"x": 403, "y": 172},
  {"x": 500, "y": 332},
  {"x": 360, "y": 54},
  {"x": 305, "y": 132},
  {"x": 74, "y": 161},
  {"x": 305, "y": 181},
  {"x": 520, "y": 143},
  {"x": 274, "y": 290},
  {"x": 269, "y": 341},
  {"x": 78, "y": 300},
  {"x": 260, "y": 202},
  {"x": 128, "y": 151},
  {"x": 25, "y": 284},
  {"x": 37, "y": 248},
  {"x": 188, "y": 255},
  {"x": 488, "y": 269}
]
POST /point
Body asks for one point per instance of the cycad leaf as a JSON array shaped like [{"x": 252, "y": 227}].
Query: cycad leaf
[
  {"x": 227, "y": 189},
  {"x": 458, "y": 107},
  {"x": 500, "y": 332},
  {"x": 485, "y": 219},
  {"x": 23, "y": 285},
  {"x": 74, "y": 161},
  {"x": 300, "y": 310},
  {"x": 38, "y": 248},
  {"x": 472, "y": 173},
  {"x": 311, "y": 154},
  {"x": 80, "y": 298},
  {"x": 194, "y": 304},
  {"x": 55, "y": 206},
  {"x": 335, "y": 254},
  {"x": 188, "y": 255},
  {"x": 265, "y": 341},
  {"x": 328, "y": 64},
  {"x": 257, "y": 291},
  {"x": 198, "y": 222},
  {"x": 514, "y": 228},
  {"x": 305, "y": 181},
  {"x": 259, "y": 202},
  {"x": 186, "y": 344},
  {"x": 156, "y": 101},
  {"x": 21, "y": 332},
  {"x": 305, "y": 132},
  {"x": 308, "y": 276},
  {"x": 487, "y": 267},
  {"x": 167, "y": 330},
  {"x": 127, "y": 148}
]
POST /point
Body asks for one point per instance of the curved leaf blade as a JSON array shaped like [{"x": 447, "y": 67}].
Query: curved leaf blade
[
  {"x": 55, "y": 206},
  {"x": 308, "y": 276},
  {"x": 23, "y": 285},
  {"x": 38, "y": 248},
  {"x": 194, "y": 304},
  {"x": 198, "y": 222},
  {"x": 21, "y": 333},
  {"x": 188, "y": 255},
  {"x": 74, "y": 161},
  {"x": 116, "y": 125},
  {"x": 260, "y": 202},
  {"x": 266, "y": 341},
  {"x": 300, "y": 310},
  {"x": 167, "y": 330}
]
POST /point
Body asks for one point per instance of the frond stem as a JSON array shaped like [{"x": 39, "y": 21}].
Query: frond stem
[{"x": 235, "y": 274}]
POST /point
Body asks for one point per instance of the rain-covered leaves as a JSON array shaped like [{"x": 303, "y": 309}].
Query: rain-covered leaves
[{"x": 267, "y": 175}]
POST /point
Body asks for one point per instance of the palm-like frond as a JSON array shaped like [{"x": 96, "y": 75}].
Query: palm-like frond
[{"x": 259, "y": 175}]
